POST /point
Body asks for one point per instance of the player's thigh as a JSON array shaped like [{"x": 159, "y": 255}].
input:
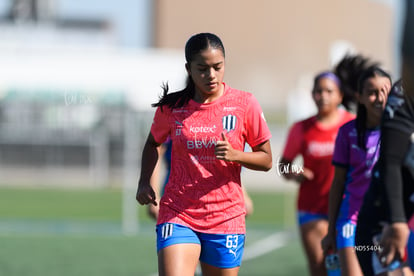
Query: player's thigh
[
  {"x": 313, "y": 228},
  {"x": 178, "y": 249},
  {"x": 349, "y": 262},
  {"x": 178, "y": 259},
  {"x": 312, "y": 233},
  {"x": 209, "y": 270}
]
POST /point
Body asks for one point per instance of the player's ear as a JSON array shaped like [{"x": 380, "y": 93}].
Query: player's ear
[{"x": 187, "y": 68}]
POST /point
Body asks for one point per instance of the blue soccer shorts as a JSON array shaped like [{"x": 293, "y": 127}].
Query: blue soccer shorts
[
  {"x": 305, "y": 217},
  {"x": 219, "y": 250},
  {"x": 410, "y": 248},
  {"x": 346, "y": 231}
]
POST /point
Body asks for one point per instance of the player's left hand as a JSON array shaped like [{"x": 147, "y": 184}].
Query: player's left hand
[{"x": 223, "y": 150}]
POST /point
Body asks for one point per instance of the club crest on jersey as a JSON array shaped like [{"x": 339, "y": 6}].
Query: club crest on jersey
[
  {"x": 178, "y": 128},
  {"x": 229, "y": 122}
]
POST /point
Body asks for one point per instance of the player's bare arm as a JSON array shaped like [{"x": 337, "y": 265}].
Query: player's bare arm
[
  {"x": 259, "y": 159},
  {"x": 150, "y": 155}
]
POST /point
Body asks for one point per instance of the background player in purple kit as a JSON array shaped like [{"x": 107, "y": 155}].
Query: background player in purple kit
[{"x": 355, "y": 154}]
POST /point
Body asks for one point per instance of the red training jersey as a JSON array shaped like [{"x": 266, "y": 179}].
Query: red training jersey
[
  {"x": 205, "y": 193},
  {"x": 315, "y": 143}
]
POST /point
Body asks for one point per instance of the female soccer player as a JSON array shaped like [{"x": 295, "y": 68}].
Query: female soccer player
[
  {"x": 392, "y": 188},
  {"x": 388, "y": 198},
  {"x": 314, "y": 139},
  {"x": 202, "y": 214},
  {"x": 356, "y": 152}
]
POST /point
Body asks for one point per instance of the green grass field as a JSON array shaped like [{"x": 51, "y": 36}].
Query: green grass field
[{"x": 78, "y": 232}]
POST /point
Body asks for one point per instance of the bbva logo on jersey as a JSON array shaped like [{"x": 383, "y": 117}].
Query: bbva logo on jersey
[{"x": 229, "y": 122}]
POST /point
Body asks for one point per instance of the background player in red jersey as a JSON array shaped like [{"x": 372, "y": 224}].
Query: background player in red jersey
[
  {"x": 202, "y": 213},
  {"x": 314, "y": 140}
]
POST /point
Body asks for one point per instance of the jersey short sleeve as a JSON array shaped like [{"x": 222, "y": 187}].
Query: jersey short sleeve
[
  {"x": 293, "y": 142},
  {"x": 341, "y": 150},
  {"x": 161, "y": 126},
  {"x": 257, "y": 130}
]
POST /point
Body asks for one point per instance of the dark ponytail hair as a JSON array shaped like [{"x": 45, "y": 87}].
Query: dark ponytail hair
[
  {"x": 348, "y": 70},
  {"x": 361, "y": 117},
  {"x": 194, "y": 46}
]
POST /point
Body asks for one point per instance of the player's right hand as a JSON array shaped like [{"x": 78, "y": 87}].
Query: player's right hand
[
  {"x": 145, "y": 194},
  {"x": 328, "y": 244}
]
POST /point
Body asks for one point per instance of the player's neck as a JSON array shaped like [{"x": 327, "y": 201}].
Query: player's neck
[
  {"x": 201, "y": 97},
  {"x": 328, "y": 119}
]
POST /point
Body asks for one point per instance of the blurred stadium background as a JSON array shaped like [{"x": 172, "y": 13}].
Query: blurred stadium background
[{"x": 76, "y": 82}]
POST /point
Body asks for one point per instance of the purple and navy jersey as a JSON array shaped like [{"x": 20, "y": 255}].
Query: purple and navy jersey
[{"x": 359, "y": 164}]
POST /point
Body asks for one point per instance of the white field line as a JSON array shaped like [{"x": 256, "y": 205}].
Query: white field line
[
  {"x": 261, "y": 247},
  {"x": 265, "y": 245}
]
